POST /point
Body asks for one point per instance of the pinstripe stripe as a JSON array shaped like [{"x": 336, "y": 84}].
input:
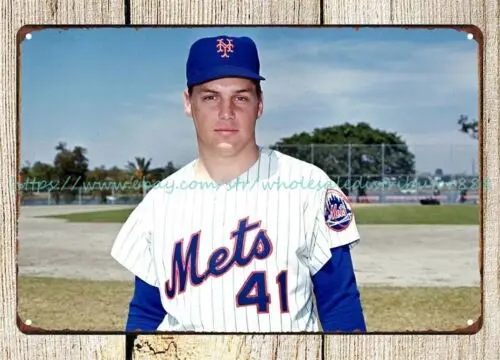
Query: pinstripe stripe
[
  {"x": 184, "y": 209},
  {"x": 213, "y": 227},
  {"x": 200, "y": 300},
  {"x": 165, "y": 245},
  {"x": 223, "y": 280},
  {"x": 287, "y": 243},
  {"x": 293, "y": 219},
  {"x": 132, "y": 228},
  {"x": 310, "y": 311},
  {"x": 235, "y": 203},
  {"x": 246, "y": 307},
  {"x": 267, "y": 197}
]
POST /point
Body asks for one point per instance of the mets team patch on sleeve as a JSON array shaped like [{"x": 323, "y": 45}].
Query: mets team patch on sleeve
[{"x": 338, "y": 210}]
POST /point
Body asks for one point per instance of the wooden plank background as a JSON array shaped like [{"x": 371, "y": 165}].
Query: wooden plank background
[
  {"x": 483, "y": 14},
  {"x": 14, "y": 344}
]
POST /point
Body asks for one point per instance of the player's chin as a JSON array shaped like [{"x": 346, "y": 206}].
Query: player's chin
[
  {"x": 226, "y": 141},
  {"x": 230, "y": 144},
  {"x": 226, "y": 146}
]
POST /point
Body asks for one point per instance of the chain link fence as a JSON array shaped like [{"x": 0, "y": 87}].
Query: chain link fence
[
  {"x": 92, "y": 193},
  {"x": 389, "y": 173},
  {"x": 381, "y": 173}
]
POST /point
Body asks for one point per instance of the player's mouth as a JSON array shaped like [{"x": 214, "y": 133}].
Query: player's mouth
[{"x": 226, "y": 131}]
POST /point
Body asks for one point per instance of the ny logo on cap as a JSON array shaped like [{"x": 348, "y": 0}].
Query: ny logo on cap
[{"x": 225, "y": 48}]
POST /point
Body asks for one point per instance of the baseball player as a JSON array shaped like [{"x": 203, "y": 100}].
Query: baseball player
[{"x": 242, "y": 238}]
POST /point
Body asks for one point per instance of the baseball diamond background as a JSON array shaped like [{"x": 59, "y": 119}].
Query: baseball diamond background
[
  {"x": 399, "y": 255},
  {"x": 458, "y": 165}
]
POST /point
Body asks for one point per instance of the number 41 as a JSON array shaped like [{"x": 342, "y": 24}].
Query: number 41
[{"x": 256, "y": 282}]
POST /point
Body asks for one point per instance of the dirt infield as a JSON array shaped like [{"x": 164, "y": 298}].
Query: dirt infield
[{"x": 388, "y": 255}]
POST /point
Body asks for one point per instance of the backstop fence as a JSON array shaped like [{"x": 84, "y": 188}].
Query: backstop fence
[{"x": 380, "y": 173}]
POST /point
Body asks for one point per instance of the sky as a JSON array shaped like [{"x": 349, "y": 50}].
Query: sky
[{"x": 118, "y": 91}]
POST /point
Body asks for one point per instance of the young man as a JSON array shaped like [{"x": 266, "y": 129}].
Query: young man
[{"x": 242, "y": 238}]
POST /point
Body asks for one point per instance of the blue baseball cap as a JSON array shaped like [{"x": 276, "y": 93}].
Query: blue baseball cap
[{"x": 222, "y": 56}]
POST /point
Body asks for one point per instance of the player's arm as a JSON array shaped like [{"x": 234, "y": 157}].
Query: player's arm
[
  {"x": 332, "y": 232},
  {"x": 133, "y": 250},
  {"x": 336, "y": 293},
  {"x": 145, "y": 310}
]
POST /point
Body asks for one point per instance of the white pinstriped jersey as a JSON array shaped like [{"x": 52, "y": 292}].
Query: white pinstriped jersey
[{"x": 238, "y": 257}]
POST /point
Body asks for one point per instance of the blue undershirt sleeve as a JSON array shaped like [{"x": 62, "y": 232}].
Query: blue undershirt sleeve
[
  {"x": 337, "y": 295},
  {"x": 146, "y": 311}
]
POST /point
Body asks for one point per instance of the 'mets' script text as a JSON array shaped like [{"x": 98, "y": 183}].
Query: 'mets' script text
[{"x": 220, "y": 261}]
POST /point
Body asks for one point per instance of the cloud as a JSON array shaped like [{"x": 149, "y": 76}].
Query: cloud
[
  {"x": 381, "y": 76},
  {"x": 415, "y": 89}
]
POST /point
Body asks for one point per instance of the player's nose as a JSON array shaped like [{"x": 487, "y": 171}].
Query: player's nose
[{"x": 226, "y": 110}]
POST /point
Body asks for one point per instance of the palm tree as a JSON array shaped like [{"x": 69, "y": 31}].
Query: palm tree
[{"x": 140, "y": 170}]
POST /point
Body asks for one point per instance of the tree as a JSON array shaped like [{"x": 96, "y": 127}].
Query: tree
[
  {"x": 24, "y": 172},
  {"x": 439, "y": 173},
  {"x": 368, "y": 149},
  {"x": 170, "y": 169},
  {"x": 23, "y": 176},
  {"x": 35, "y": 178},
  {"x": 468, "y": 127},
  {"x": 42, "y": 172},
  {"x": 157, "y": 174},
  {"x": 117, "y": 174},
  {"x": 71, "y": 168},
  {"x": 97, "y": 174},
  {"x": 140, "y": 170},
  {"x": 97, "y": 177}
]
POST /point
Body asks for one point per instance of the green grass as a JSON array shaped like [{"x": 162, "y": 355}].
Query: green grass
[
  {"x": 58, "y": 304},
  {"x": 384, "y": 215},
  {"x": 418, "y": 215},
  {"x": 111, "y": 216}
]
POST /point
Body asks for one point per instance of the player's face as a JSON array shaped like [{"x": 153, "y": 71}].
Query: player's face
[{"x": 224, "y": 112}]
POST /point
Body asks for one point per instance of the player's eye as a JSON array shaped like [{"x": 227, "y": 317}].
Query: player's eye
[
  {"x": 241, "y": 98},
  {"x": 208, "y": 98}
]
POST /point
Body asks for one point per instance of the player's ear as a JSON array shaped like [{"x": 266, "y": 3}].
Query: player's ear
[
  {"x": 260, "y": 110},
  {"x": 187, "y": 102}
]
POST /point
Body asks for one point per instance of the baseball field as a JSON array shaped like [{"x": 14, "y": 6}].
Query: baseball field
[{"x": 417, "y": 267}]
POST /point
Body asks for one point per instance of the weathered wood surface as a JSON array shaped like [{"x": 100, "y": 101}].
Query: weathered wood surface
[
  {"x": 228, "y": 347},
  {"x": 485, "y": 15},
  {"x": 13, "y": 343},
  {"x": 225, "y": 12}
]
